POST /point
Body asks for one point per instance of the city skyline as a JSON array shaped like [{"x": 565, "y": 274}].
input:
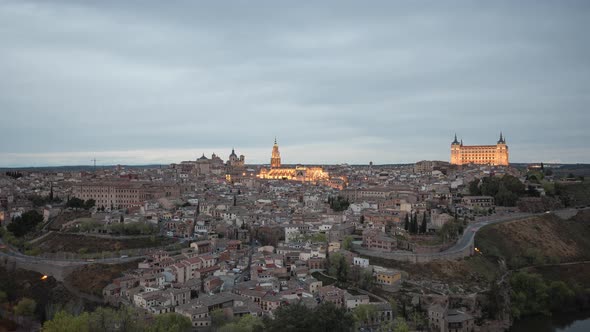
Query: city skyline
[{"x": 129, "y": 84}]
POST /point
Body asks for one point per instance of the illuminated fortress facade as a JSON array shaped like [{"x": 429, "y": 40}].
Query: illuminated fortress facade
[
  {"x": 496, "y": 155},
  {"x": 299, "y": 173}
]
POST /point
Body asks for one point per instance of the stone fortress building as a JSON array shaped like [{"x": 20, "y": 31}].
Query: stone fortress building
[
  {"x": 299, "y": 173},
  {"x": 496, "y": 155}
]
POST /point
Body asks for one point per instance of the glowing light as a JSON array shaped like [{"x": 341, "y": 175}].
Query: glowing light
[{"x": 44, "y": 277}]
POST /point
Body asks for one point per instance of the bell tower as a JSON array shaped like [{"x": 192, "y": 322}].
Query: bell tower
[
  {"x": 456, "y": 152},
  {"x": 275, "y": 159}
]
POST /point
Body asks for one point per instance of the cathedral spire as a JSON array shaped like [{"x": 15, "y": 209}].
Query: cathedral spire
[
  {"x": 455, "y": 141},
  {"x": 502, "y": 139}
]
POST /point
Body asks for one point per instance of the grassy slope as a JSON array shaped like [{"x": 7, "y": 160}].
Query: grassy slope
[
  {"x": 476, "y": 270},
  {"x": 579, "y": 193},
  {"x": 57, "y": 242},
  {"x": 538, "y": 240},
  {"x": 91, "y": 279}
]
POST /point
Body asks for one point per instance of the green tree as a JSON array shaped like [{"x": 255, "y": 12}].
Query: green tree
[
  {"x": 407, "y": 222},
  {"x": 474, "y": 189},
  {"x": 170, "y": 322},
  {"x": 347, "y": 242},
  {"x": 328, "y": 317},
  {"x": 339, "y": 203},
  {"x": 423, "y": 224},
  {"x": 339, "y": 267},
  {"x": 25, "y": 223},
  {"x": 529, "y": 294},
  {"x": 364, "y": 314},
  {"x": 414, "y": 224},
  {"x": 247, "y": 323},
  {"x": 561, "y": 295},
  {"x": 513, "y": 184},
  {"x": 400, "y": 325},
  {"x": 218, "y": 318},
  {"x": 65, "y": 322},
  {"x": 75, "y": 202},
  {"x": 366, "y": 279},
  {"x": 490, "y": 186},
  {"x": 25, "y": 307},
  {"x": 90, "y": 203},
  {"x": 505, "y": 197},
  {"x": 291, "y": 318}
]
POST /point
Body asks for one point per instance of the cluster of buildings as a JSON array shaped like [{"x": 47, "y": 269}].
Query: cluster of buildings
[
  {"x": 300, "y": 173},
  {"x": 239, "y": 279},
  {"x": 260, "y": 235}
]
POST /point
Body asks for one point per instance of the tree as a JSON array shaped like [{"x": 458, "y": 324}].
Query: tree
[
  {"x": 247, "y": 323},
  {"x": 366, "y": 279},
  {"x": 414, "y": 224},
  {"x": 560, "y": 295},
  {"x": 338, "y": 204},
  {"x": 25, "y": 307},
  {"x": 495, "y": 300},
  {"x": 65, "y": 322},
  {"x": 90, "y": 203},
  {"x": 529, "y": 294},
  {"x": 218, "y": 318},
  {"x": 347, "y": 242},
  {"x": 25, "y": 223},
  {"x": 364, "y": 314},
  {"x": 171, "y": 322},
  {"x": 474, "y": 189},
  {"x": 338, "y": 267},
  {"x": 407, "y": 222},
  {"x": 423, "y": 224},
  {"x": 505, "y": 197},
  {"x": 400, "y": 325},
  {"x": 328, "y": 317},
  {"x": 75, "y": 203},
  {"x": 513, "y": 184},
  {"x": 291, "y": 318}
]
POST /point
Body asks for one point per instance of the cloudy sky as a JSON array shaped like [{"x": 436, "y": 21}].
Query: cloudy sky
[{"x": 137, "y": 82}]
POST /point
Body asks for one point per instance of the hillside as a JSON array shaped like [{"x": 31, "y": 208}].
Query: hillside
[
  {"x": 65, "y": 242},
  {"x": 538, "y": 240},
  {"x": 91, "y": 279}
]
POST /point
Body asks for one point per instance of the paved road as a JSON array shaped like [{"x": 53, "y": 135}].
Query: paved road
[{"x": 469, "y": 233}]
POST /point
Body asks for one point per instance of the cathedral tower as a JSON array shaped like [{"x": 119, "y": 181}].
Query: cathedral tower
[{"x": 275, "y": 159}]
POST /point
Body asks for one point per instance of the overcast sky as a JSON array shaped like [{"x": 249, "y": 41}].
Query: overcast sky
[{"x": 137, "y": 82}]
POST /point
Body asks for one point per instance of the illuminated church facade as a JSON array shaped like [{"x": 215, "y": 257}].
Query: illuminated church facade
[
  {"x": 496, "y": 155},
  {"x": 299, "y": 173}
]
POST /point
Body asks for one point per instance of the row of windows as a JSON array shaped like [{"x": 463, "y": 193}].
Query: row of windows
[{"x": 85, "y": 190}]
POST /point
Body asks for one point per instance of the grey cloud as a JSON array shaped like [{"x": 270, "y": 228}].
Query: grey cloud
[{"x": 395, "y": 79}]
